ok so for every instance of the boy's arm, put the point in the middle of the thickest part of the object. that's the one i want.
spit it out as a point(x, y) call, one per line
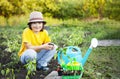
point(37, 48)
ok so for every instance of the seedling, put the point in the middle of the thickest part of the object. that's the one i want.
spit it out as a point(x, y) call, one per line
point(31, 67)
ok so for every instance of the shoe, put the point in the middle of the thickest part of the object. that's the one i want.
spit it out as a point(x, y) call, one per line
point(45, 68)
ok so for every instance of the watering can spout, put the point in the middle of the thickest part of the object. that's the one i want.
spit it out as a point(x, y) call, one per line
point(94, 43)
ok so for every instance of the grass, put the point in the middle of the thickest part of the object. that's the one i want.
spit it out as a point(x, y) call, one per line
point(103, 62)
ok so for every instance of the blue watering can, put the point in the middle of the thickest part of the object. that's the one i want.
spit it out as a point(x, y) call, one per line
point(73, 53)
point(70, 58)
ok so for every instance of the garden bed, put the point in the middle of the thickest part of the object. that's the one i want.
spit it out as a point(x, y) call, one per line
point(103, 62)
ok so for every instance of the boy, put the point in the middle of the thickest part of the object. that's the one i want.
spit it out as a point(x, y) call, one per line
point(36, 42)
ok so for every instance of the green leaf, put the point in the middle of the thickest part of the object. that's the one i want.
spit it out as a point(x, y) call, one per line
point(3, 72)
point(7, 71)
point(55, 56)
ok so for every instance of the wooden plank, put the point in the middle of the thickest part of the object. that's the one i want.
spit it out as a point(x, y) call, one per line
point(109, 43)
point(53, 75)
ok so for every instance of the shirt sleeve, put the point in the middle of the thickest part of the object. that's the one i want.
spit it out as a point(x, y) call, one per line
point(26, 37)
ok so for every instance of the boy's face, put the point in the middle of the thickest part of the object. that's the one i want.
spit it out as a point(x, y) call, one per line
point(36, 26)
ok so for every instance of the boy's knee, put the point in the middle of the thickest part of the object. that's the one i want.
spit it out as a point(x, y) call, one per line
point(31, 53)
point(28, 55)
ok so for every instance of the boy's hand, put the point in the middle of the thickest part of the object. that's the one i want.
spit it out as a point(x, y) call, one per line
point(48, 46)
point(51, 44)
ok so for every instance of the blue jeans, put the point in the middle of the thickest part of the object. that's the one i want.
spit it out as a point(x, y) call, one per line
point(42, 57)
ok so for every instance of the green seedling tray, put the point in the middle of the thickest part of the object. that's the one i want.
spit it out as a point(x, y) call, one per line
point(71, 77)
point(73, 67)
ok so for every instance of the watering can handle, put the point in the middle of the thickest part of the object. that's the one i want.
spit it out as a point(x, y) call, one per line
point(73, 47)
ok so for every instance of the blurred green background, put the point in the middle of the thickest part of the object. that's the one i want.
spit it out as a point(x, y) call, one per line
point(71, 22)
point(11, 10)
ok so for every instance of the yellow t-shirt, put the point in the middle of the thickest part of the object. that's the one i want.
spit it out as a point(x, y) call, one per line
point(34, 39)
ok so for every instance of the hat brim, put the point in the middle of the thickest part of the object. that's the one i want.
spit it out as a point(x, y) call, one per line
point(43, 21)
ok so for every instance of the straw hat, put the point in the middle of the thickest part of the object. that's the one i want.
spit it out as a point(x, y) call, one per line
point(36, 17)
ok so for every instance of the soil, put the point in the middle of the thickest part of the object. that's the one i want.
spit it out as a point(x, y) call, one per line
point(20, 72)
